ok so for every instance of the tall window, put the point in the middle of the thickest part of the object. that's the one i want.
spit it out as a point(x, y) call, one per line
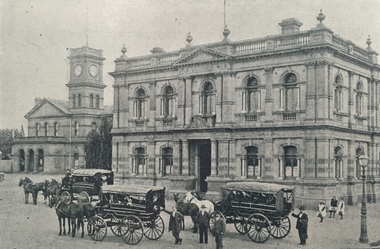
point(338, 163)
point(251, 96)
point(79, 100)
point(139, 161)
point(139, 105)
point(289, 95)
point(97, 102)
point(359, 99)
point(167, 161)
point(46, 129)
point(76, 129)
point(208, 99)
point(74, 100)
point(55, 129)
point(168, 103)
point(290, 163)
point(91, 101)
point(37, 129)
point(358, 168)
point(338, 95)
point(253, 162)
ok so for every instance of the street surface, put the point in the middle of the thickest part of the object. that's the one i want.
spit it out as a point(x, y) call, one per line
point(28, 226)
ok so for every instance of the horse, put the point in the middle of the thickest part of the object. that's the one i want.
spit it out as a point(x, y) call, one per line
point(189, 209)
point(41, 187)
point(29, 188)
point(72, 212)
point(190, 197)
point(52, 188)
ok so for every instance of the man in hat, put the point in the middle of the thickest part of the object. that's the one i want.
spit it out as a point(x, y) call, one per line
point(302, 223)
point(176, 222)
point(219, 229)
point(203, 218)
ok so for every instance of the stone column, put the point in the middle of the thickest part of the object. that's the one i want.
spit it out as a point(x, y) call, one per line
point(181, 100)
point(233, 164)
point(219, 97)
point(351, 164)
point(188, 101)
point(27, 162)
point(176, 148)
point(36, 162)
point(351, 98)
point(152, 107)
point(214, 157)
point(268, 107)
point(322, 157)
point(310, 158)
point(151, 151)
point(222, 158)
point(268, 161)
point(311, 104)
point(322, 90)
point(185, 157)
point(116, 104)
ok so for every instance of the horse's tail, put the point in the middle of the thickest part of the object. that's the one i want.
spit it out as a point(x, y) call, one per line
point(78, 224)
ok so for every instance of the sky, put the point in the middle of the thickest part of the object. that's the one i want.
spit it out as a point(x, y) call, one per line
point(36, 35)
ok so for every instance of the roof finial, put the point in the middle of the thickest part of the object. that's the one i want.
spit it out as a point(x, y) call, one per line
point(226, 32)
point(369, 42)
point(321, 17)
point(123, 50)
point(189, 38)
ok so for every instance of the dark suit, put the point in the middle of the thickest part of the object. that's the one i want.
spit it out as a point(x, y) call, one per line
point(302, 223)
point(219, 229)
point(175, 223)
point(203, 223)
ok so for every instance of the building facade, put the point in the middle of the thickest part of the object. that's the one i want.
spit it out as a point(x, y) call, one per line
point(57, 129)
point(296, 108)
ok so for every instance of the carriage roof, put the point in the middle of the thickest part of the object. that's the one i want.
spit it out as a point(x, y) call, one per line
point(90, 172)
point(260, 187)
point(130, 189)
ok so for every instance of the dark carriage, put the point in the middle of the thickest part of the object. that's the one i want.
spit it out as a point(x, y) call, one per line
point(257, 209)
point(131, 211)
point(85, 184)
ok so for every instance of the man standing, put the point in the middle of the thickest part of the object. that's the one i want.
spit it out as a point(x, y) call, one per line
point(302, 223)
point(175, 222)
point(203, 218)
point(219, 229)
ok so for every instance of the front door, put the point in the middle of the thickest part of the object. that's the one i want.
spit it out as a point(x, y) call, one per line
point(204, 155)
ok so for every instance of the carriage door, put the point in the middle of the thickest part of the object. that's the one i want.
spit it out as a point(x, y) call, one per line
point(204, 154)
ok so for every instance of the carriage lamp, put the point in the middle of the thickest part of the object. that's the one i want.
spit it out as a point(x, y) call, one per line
point(363, 160)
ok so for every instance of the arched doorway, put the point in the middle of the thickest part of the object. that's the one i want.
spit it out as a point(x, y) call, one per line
point(40, 160)
point(22, 160)
point(31, 161)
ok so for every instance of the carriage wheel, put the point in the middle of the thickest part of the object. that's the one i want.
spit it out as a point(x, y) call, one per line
point(135, 230)
point(212, 223)
point(154, 228)
point(66, 197)
point(259, 228)
point(119, 229)
point(241, 226)
point(97, 228)
point(84, 197)
point(280, 228)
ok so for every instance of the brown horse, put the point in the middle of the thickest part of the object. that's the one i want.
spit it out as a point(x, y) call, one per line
point(29, 188)
point(189, 209)
point(52, 188)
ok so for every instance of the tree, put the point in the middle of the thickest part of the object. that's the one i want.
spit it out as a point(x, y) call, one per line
point(98, 147)
point(7, 137)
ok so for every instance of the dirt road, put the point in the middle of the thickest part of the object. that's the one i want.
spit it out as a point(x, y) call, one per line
point(27, 226)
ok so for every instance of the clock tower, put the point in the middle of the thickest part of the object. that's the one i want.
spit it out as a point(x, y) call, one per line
point(86, 87)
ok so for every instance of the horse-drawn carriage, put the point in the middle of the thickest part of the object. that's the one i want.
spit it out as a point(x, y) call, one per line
point(83, 184)
point(131, 211)
point(257, 209)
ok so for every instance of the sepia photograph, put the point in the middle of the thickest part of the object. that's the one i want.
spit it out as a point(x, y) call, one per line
point(189, 124)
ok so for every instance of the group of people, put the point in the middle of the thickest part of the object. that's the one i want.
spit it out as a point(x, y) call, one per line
point(176, 224)
point(334, 208)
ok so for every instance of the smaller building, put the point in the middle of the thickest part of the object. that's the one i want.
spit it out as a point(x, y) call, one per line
point(57, 129)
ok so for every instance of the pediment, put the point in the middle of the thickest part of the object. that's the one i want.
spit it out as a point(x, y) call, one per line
point(45, 109)
point(201, 55)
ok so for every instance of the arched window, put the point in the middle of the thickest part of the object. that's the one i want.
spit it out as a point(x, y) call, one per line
point(338, 94)
point(97, 102)
point(290, 163)
point(76, 129)
point(252, 162)
point(46, 129)
point(55, 129)
point(37, 129)
point(139, 161)
point(139, 105)
point(91, 101)
point(74, 101)
point(168, 103)
point(289, 95)
point(251, 96)
point(359, 99)
point(208, 100)
point(167, 161)
point(79, 100)
point(338, 160)
point(40, 163)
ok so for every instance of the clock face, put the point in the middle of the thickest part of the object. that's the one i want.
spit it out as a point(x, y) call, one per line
point(93, 71)
point(78, 70)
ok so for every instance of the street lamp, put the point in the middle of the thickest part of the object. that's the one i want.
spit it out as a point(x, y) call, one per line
point(363, 160)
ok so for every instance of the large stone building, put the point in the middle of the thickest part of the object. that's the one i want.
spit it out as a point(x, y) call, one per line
point(57, 129)
point(295, 108)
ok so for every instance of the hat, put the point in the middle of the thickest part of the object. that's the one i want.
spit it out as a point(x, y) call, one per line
point(217, 214)
point(322, 202)
point(302, 207)
point(203, 206)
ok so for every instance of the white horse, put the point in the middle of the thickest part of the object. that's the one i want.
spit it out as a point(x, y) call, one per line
point(191, 198)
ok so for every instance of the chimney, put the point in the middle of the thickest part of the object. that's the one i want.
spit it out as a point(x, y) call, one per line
point(37, 100)
point(290, 25)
